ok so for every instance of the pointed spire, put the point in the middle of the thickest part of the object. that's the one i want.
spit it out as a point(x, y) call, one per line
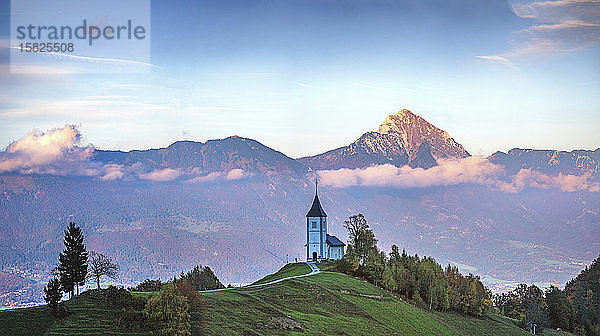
point(316, 210)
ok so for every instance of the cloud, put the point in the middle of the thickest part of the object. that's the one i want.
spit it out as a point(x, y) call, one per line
point(531, 178)
point(113, 172)
point(97, 106)
point(7, 43)
point(573, 24)
point(57, 152)
point(500, 60)
point(162, 175)
point(127, 62)
point(556, 26)
point(474, 169)
point(562, 26)
point(558, 10)
point(39, 70)
point(234, 174)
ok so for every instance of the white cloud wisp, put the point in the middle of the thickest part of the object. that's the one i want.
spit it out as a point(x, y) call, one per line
point(474, 169)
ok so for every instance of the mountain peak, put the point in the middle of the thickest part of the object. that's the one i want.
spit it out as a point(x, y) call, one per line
point(393, 121)
point(414, 130)
point(403, 138)
point(406, 113)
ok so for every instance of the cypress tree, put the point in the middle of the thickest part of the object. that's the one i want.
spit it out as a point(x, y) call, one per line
point(73, 260)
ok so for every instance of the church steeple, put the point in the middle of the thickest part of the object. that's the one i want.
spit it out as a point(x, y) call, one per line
point(319, 244)
point(316, 210)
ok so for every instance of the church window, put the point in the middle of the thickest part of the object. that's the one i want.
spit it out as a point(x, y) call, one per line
point(314, 225)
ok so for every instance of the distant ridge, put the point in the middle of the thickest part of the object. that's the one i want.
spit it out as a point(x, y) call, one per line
point(233, 152)
point(553, 162)
point(371, 148)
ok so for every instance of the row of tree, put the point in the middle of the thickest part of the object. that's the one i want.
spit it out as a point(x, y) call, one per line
point(178, 302)
point(420, 280)
point(76, 266)
point(199, 278)
point(575, 309)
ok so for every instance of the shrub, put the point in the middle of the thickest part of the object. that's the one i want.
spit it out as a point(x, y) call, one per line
point(118, 297)
point(168, 313)
point(194, 298)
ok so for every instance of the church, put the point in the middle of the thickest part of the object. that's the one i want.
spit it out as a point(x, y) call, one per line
point(320, 245)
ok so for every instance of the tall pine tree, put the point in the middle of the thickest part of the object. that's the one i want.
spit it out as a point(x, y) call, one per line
point(73, 266)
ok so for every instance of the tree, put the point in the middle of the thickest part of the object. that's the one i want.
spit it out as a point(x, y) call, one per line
point(538, 315)
point(584, 294)
point(53, 294)
point(197, 304)
point(354, 225)
point(168, 313)
point(73, 260)
point(349, 263)
point(195, 299)
point(361, 237)
point(148, 285)
point(526, 302)
point(560, 310)
point(422, 281)
point(202, 278)
point(101, 265)
point(395, 254)
point(388, 280)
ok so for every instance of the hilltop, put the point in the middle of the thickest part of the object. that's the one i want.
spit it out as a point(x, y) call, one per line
point(328, 303)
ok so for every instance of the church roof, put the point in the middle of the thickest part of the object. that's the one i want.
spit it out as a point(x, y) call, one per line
point(334, 241)
point(316, 210)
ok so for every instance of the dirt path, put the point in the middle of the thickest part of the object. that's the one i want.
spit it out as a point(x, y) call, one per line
point(314, 269)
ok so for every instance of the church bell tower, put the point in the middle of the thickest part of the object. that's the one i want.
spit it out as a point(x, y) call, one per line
point(316, 230)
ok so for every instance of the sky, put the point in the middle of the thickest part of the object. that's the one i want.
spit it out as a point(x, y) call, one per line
point(307, 76)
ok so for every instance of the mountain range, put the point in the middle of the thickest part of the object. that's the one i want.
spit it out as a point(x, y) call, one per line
point(239, 206)
point(212, 156)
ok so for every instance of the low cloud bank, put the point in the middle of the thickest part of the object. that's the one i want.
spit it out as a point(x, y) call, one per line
point(474, 169)
point(534, 179)
point(234, 174)
point(56, 152)
point(60, 152)
point(162, 175)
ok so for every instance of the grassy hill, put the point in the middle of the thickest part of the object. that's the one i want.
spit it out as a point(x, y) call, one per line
point(90, 314)
point(323, 304)
point(286, 271)
point(328, 303)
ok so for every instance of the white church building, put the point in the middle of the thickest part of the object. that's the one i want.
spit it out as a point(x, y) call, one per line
point(319, 244)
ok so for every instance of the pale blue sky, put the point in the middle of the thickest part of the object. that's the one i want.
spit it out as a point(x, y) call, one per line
point(307, 76)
